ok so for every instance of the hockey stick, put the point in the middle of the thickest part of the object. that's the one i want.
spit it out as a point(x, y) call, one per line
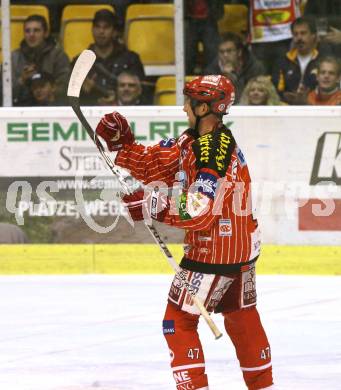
point(81, 69)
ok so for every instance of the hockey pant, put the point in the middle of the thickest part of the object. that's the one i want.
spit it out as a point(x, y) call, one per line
point(235, 297)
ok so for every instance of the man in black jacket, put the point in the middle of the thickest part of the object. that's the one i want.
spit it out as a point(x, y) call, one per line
point(38, 52)
point(295, 74)
point(112, 59)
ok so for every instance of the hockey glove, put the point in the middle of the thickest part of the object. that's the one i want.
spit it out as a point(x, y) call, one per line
point(115, 130)
point(154, 205)
point(135, 204)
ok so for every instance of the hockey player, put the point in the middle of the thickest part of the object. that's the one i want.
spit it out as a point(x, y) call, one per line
point(222, 239)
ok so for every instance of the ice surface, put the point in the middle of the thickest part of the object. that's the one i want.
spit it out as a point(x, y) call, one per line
point(103, 332)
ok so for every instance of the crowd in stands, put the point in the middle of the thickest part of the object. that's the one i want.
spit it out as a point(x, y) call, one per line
point(290, 55)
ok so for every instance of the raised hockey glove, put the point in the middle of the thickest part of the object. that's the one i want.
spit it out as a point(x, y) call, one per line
point(154, 205)
point(115, 130)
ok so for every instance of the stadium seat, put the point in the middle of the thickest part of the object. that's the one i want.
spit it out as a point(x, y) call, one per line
point(18, 15)
point(149, 31)
point(76, 24)
point(235, 19)
point(165, 90)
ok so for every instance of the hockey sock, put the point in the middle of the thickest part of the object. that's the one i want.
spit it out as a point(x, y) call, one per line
point(252, 347)
point(187, 358)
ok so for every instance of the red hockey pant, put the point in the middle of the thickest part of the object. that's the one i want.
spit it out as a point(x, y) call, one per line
point(187, 358)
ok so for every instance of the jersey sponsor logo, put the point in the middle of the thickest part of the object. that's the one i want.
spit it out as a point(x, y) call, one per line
point(183, 214)
point(273, 17)
point(167, 143)
point(224, 141)
point(197, 203)
point(225, 228)
point(327, 161)
point(249, 288)
point(264, 4)
point(241, 157)
point(205, 236)
point(214, 150)
point(168, 327)
point(206, 183)
point(217, 295)
point(195, 283)
point(153, 209)
point(205, 147)
point(183, 379)
point(182, 139)
point(176, 288)
point(182, 177)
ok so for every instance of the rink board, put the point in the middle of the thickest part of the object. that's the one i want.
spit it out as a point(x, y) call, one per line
point(147, 259)
point(293, 153)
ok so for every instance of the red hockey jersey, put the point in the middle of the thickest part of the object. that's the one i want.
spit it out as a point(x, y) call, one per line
point(213, 203)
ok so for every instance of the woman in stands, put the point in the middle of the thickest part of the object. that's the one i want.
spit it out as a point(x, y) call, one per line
point(260, 91)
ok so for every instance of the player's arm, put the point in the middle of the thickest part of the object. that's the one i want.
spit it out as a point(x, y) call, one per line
point(197, 208)
point(151, 163)
point(146, 164)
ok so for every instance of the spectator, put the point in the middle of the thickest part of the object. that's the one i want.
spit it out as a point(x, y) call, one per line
point(43, 89)
point(112, 59)
point(260, 91)
point(129, 90)
point(295, 73)
point(201, 25)
point(327, 92)
point(38, 52)
point(270, 29)
point(235, 61)
point(327, 14)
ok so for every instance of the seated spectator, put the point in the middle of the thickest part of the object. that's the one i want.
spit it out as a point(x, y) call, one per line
point(43, 89)
point(328, 90)
point(295, 73)
point(38, 52)
point(129, 90)
point(260, 91)
point(112, 59)
point(235, 61)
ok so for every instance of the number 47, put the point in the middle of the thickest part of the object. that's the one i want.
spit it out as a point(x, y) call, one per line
point(193, 353)
point(266, 353)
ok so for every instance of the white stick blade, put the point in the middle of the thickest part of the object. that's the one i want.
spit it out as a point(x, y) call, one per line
point(80, 71)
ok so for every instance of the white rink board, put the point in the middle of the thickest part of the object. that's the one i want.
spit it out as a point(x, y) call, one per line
point(287, 149)
point(99, 332)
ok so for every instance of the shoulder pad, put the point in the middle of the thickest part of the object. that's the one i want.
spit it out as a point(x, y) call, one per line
point(214, 150)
